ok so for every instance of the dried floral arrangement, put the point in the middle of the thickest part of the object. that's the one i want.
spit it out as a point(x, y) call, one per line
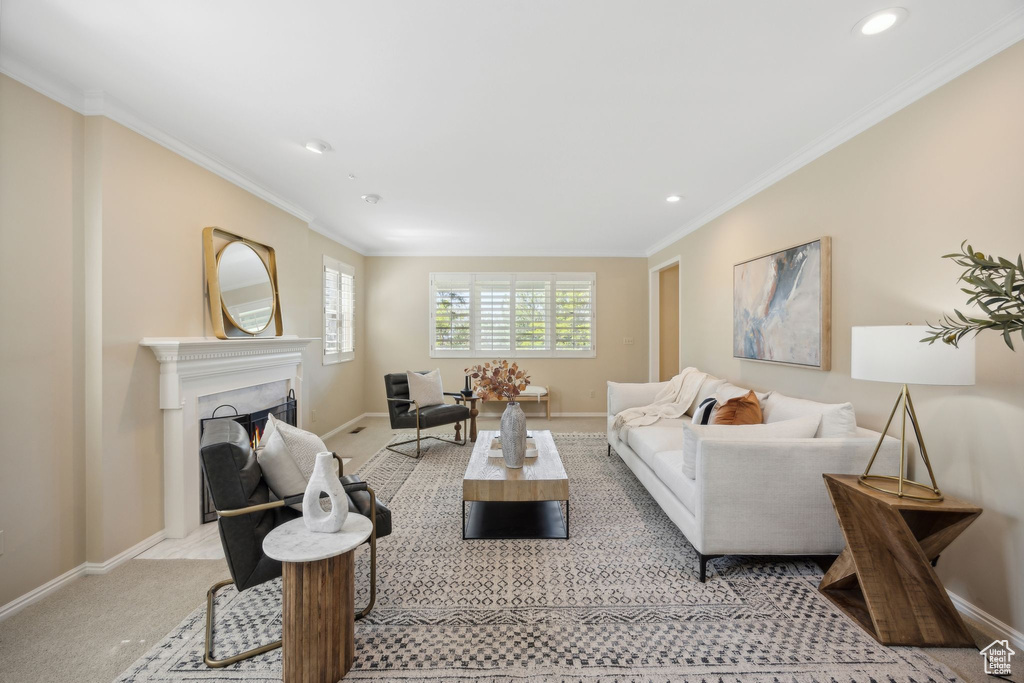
point(498, 379)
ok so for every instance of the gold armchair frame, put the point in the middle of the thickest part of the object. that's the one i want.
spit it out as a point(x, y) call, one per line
point(208, 657)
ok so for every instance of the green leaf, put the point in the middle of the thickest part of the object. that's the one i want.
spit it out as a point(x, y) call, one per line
point(1006, 338)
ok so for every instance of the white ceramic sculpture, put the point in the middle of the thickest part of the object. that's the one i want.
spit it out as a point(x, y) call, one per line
point(324, 479)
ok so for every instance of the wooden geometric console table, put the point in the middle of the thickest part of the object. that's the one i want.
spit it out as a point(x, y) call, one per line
point(884, 578)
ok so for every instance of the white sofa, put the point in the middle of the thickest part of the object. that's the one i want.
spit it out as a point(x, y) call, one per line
point(748, 497)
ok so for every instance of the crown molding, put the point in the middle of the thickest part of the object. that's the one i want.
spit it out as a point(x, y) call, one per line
point(483, 252)
point(983, 46)
point(98, 103)
point(319, 228)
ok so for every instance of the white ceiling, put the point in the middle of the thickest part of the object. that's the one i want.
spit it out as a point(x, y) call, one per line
point(498, 127)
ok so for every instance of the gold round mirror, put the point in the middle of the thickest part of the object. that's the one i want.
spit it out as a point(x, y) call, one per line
point(246, 290)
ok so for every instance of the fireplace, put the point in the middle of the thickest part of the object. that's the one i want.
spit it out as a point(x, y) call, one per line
point(255, 423)
point(197, 373)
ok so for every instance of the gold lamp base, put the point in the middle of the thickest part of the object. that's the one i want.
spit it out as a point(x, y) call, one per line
point(895, 485)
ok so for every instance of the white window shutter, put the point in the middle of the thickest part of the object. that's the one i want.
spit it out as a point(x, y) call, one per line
point(493, 306)
point(450, 314)
point(339, 304)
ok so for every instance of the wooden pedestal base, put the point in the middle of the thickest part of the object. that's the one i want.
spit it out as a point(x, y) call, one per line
point(884, 578)
point(319, 619)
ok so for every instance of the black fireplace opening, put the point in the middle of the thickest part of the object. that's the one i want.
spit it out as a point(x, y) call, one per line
point(255, 424)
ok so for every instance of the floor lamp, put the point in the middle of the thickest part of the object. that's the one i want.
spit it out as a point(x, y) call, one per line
point(895, 353)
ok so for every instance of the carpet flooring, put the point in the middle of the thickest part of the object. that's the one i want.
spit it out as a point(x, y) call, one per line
point(618, 601)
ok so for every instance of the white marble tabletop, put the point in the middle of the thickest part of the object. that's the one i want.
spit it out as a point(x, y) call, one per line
point(293, 542)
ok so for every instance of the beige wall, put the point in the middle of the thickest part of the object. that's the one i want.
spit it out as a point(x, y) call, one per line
point(399, 327)
point(102, 240)
point(335, 391)
point(42, 500)
point(894, 199)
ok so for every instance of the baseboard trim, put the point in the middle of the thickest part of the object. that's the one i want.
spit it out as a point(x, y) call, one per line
point(375, 414)
point(995, 626)
point(84, 569)
point(37, 594)
point(94, 568)
point(341, 428)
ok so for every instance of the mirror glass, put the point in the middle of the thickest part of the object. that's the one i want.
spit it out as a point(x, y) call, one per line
point(246, 292)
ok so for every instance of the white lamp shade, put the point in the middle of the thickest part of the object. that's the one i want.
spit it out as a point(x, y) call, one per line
point(895, 353)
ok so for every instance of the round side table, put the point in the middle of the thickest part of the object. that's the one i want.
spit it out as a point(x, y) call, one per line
point(318, 597)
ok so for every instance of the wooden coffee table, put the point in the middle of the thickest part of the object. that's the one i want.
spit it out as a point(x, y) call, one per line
point(515, 503)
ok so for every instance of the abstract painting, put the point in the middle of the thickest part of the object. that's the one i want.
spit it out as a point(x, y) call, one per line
point(782, 305)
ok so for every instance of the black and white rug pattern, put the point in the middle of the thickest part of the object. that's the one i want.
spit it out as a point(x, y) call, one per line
point(619, 601)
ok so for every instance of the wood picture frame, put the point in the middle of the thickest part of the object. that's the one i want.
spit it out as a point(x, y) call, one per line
point(218, 316)
point(782, 306)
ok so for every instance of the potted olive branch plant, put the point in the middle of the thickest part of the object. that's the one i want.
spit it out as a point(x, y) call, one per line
point(505, 381)
point(996, 285)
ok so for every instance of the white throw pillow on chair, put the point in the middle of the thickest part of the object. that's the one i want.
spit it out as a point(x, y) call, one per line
point(425, 389)
point(287, 457)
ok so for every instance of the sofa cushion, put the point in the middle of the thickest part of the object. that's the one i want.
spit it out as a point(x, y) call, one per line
point(727, 391)
point(668, 465)
point(798, 428)
point(838, 420)
point(707, 389)
point(742, 410)
point(646, 442)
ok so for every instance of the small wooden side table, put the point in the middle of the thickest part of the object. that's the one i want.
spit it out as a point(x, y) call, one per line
point(884, 578)
point(318, 597)
point(473, 412)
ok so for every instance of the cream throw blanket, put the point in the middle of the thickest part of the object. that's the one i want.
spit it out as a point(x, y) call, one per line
point(671, 402)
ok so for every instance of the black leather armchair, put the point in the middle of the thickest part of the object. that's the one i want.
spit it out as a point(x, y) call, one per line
point(247, 513)
point(407, 414)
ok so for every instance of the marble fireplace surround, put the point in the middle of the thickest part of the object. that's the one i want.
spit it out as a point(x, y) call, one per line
point(193, 367)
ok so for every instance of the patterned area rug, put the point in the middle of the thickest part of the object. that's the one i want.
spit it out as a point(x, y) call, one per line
point(619, 601)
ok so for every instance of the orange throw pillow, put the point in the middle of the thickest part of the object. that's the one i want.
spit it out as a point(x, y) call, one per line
point(742, 410)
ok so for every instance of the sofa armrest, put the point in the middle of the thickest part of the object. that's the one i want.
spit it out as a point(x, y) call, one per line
point(769, 497)
point(623, 395)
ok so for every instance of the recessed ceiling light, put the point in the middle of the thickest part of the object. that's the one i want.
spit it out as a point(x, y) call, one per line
point(880, 21)
point(371, 198)
point(318, 146)
point(673, 198)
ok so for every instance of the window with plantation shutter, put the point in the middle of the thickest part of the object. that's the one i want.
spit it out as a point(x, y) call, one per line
point(533, 315)
point(338, 311)
point(574, 315)
point(492, 299)
point(510, 315)
point(450, 330)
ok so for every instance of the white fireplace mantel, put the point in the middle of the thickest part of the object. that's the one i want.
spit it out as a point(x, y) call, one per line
point(191, 367)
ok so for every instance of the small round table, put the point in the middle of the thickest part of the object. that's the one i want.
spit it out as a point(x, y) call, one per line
point(318, 597)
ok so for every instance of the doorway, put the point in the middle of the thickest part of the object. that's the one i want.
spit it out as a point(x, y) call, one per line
point(668, 323)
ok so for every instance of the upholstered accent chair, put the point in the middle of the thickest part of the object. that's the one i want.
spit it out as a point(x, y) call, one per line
point(407, 414)
point(247, 512)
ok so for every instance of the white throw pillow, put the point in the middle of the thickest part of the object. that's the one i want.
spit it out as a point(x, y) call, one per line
point(425, 389)
point(287, 458)
point(838, 420)
point(702, 413)
point(707, 389)
point(800, 428)
point(279, 468)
